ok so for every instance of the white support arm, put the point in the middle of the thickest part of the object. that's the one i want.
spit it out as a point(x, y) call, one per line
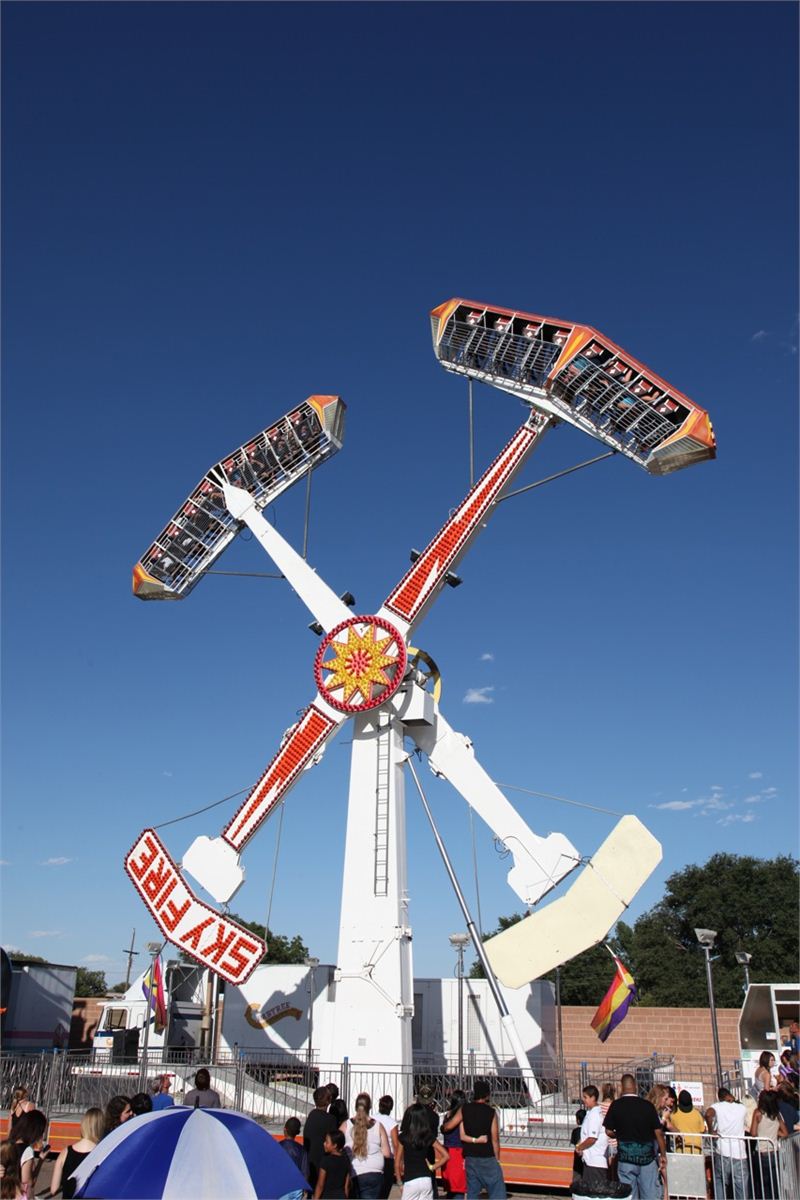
point(321, 601)
point(539, 862)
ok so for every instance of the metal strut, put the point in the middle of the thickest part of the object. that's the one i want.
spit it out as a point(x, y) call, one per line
point(506, 1019)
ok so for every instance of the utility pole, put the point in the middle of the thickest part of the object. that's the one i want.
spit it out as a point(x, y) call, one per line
point(458, 941)
point(131, 955)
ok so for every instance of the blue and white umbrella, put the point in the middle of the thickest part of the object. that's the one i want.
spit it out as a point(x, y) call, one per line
point(188, 1154)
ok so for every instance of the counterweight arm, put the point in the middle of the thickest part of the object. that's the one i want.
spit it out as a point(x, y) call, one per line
point(539, 862)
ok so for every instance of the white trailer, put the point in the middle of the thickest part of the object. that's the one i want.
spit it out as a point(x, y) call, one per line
point(288, 1011)
point(39, 1008)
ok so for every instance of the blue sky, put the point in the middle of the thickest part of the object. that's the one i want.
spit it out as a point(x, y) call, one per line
point(212, 211)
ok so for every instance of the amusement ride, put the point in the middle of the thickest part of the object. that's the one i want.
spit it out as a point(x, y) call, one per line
point(367, 672)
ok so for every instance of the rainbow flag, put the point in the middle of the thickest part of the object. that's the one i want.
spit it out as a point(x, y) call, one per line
point(153, 988)
point(616, 1002)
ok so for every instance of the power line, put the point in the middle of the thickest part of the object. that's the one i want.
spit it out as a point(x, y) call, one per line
point(561, 799)
point(247, 574)
point(197, 811)
point(510, 787)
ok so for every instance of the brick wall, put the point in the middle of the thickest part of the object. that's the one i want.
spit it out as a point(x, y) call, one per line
point(683, 1032)
point(85, 1015)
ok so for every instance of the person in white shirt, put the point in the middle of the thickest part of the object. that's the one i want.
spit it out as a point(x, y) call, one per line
point(727, 1120)
point(594, 1139)
point(390, 1124)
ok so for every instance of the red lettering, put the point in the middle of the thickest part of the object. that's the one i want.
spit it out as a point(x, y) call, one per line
point(154, 880)
point(241, 963)
point(173, 883)
point(138, 869)
point(193, 935)
point(170, 915)
point(218, 948)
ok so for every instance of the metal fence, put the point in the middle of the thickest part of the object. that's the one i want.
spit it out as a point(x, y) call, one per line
point(271, 1087)
point(704, 1165)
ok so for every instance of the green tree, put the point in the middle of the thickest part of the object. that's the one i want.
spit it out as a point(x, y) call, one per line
point(280, 949)
point(752, 903)
point(19, 956)
point(118, 988)
point(90, 983)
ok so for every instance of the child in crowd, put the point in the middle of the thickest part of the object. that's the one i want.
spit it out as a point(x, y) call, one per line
point(333, 1181)
point(299, 1156)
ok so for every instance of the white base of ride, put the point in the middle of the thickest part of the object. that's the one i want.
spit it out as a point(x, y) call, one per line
point(373, 990)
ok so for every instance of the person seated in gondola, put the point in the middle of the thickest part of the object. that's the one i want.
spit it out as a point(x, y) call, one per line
point(620, 370)
point(196, 521)
point(211, 498)
point(302, 429)
point(163, 566)
point(262, 464)
point(280, 446)
point(472, 338)
point(490, 343)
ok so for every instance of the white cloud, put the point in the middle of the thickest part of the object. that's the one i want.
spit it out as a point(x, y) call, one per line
point(756, 799)
point(715, 787)
point(770, 791)
point(487, 657)
point(745, 818)
point(716, 804)
point(37, 933)
point(759, 335)
point(95, 958)
point(4, 862)
point(167, 774)
point(55, 862)
point(481, 695)
point(756, 775)
point(677, 805)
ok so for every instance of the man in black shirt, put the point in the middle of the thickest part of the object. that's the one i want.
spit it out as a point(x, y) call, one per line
point(318, 1124)
point(635, 1124)
point(480, 1143)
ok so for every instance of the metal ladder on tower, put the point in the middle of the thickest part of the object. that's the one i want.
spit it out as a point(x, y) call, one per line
point(382, 780)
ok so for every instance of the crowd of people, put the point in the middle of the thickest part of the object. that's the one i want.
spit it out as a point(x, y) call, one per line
point(365, 1154)
point(621, 1135)
point(24, 1151)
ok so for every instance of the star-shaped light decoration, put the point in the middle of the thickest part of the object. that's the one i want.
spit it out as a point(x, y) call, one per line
point(367, 666)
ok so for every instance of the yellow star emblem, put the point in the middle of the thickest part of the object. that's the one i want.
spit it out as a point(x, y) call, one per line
point(360, 664)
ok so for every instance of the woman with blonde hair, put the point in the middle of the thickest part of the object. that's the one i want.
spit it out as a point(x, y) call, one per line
point(368, 1144)
point(70, 1159)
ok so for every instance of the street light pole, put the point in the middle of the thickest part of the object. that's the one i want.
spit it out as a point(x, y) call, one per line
point(706, 938)
point(312, 964)
point(459, 941)
point(743, 958)
point(153, 949)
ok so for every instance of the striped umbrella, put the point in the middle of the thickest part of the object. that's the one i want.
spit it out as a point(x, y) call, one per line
point(188, 1154)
